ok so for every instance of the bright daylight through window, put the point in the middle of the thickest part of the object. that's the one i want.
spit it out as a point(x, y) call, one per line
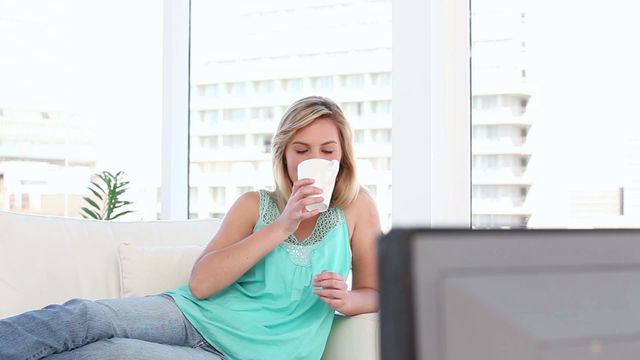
point(79, 96)
point(555, 128)
point(251, 59)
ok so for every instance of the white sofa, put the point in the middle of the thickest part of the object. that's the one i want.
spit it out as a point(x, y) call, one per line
point(46, 259)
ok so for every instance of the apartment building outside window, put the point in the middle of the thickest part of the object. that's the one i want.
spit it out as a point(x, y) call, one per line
point(343, 52)
point(553, 140)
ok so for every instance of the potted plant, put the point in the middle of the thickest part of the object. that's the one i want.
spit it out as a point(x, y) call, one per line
point(108, 193)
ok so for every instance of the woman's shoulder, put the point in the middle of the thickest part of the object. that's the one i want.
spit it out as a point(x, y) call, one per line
point(362, 218)
point(363, 205)
point(249, 198)
point(363, 200)
point(252, 200)
point(247, 203)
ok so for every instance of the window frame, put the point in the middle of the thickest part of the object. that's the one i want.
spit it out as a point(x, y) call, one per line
point(175, 110)
point(431, 113)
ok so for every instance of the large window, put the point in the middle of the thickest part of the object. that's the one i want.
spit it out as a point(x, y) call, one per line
point(80, 93)
point(251, 59)
point(556, 136)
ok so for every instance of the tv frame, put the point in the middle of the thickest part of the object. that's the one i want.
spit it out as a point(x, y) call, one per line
point(397, 265)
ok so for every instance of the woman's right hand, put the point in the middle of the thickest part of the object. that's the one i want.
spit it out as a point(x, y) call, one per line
point(294, 211)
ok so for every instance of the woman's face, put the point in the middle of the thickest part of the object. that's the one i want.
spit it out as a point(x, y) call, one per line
point(318, 140)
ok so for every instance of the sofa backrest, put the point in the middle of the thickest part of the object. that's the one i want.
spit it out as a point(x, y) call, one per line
point(49, 259)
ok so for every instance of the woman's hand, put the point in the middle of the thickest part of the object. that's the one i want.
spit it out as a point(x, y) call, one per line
point(334, 289)
point(295, 212)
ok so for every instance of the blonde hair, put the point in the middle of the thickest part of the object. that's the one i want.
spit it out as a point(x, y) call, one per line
point(299, 115)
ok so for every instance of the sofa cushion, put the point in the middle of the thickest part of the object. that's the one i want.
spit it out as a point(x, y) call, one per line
point(152, 269)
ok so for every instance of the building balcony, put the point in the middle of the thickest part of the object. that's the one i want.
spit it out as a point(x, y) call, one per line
point(507, 176)
point(499, 207)
point(284, 98)
point(296, 66)
point(49, 152)
point(503, 141)
point(500, 117)
point(228, 155)
point(503, 147)
point(230, 179)
point(500, 81)
point(240, 127)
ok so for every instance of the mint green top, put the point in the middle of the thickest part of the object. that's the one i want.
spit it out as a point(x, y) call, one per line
point(270, 311)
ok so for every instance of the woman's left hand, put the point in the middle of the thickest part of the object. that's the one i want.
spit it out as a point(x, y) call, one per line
point(334, 289)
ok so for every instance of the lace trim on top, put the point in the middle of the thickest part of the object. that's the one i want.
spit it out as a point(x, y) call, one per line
point(300, 251)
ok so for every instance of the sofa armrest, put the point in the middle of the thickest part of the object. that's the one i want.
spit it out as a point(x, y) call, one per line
point(354, 337)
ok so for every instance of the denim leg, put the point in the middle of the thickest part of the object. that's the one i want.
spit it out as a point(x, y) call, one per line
point(58, 328)
point(133, 349)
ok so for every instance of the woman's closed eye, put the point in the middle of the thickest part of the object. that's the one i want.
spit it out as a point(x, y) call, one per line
point(304, 151)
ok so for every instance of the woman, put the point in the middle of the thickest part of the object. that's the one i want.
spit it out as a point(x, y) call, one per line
point(265, 287)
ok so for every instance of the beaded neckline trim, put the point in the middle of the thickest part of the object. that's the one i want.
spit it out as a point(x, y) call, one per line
point(327, 220)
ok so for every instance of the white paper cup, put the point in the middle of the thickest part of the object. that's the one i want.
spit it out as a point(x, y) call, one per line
point(324, 173)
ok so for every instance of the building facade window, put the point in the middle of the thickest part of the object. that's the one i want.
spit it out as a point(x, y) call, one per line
point(294, 85)
point(322, 83)
point(211, 90)
point(265, 87)
point(280, 71)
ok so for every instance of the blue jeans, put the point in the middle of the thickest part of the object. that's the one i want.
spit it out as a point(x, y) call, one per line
point(149, 327)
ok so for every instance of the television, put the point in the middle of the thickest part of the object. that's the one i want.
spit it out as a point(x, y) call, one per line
point(462, 294)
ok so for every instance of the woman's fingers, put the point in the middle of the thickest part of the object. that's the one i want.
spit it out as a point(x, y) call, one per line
point(331, 284)
point(333, 289)
point(311, 200)
point(306, 191)
point(294, 211)
point(330, 294)
point(301, 183)
point(328, 275)
point(333, 303)
point(309, 214)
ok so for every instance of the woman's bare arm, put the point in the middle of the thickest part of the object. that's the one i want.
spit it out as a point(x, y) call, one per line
point(235, 248)
point(363, 298)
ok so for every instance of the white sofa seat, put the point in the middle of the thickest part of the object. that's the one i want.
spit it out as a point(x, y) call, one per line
point(46, 260)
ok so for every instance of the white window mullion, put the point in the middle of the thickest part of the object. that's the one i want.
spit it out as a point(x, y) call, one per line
point(175, 110)
point(431, 114)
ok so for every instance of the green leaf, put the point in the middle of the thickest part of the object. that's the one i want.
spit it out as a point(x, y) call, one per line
point(124, 183)
point(93, 203)
point(121, 204)
point(107, 181)
point(108, 212)
point(98, 186)
point(91, 213)
point(108, 190)
point(95, 193)
point(122, 213)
